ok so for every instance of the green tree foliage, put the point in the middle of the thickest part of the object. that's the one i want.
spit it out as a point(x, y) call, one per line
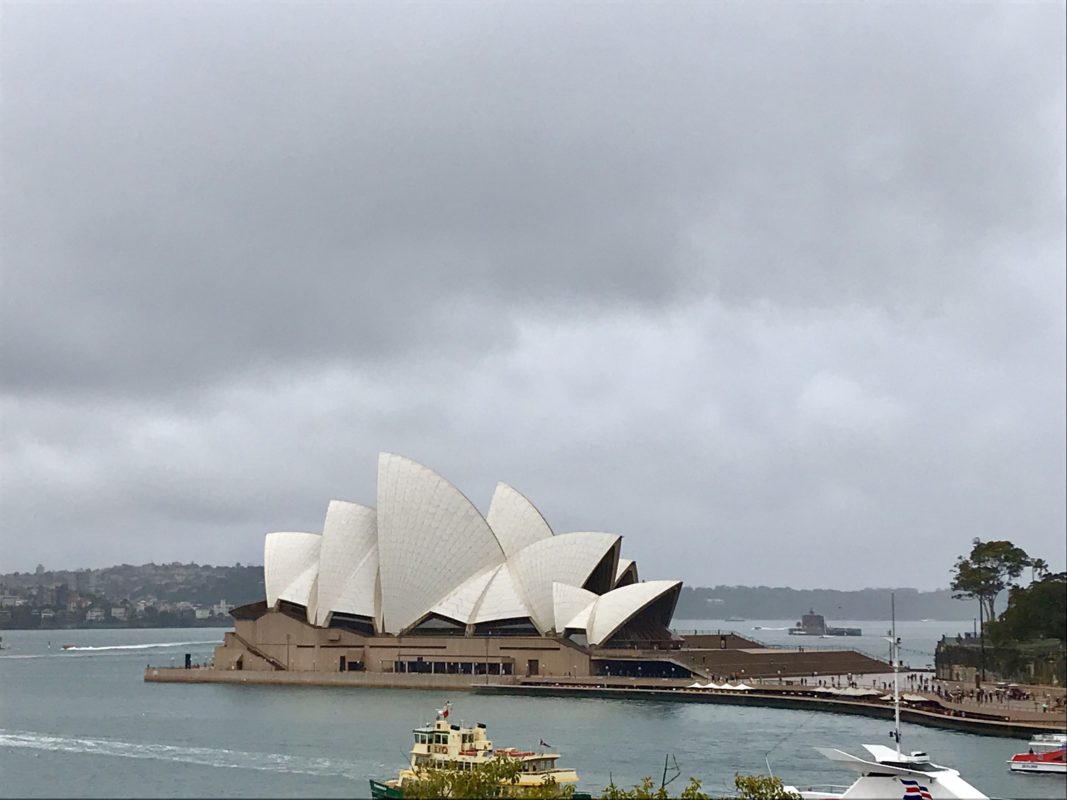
point(1038, 568)
point(496, 778)
point(762, 787)
point(1034, 612)
point(987, 571)
point(499, 778)
point(647, 790)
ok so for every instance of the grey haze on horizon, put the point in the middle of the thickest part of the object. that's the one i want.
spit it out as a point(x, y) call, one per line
point(775, 292)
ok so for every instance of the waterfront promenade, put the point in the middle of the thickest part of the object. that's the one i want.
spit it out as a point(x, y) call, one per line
point(1010, 722)
point(1042, 702)
point(1013, 719)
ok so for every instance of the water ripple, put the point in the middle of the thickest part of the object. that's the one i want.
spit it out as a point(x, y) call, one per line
point(205, 756)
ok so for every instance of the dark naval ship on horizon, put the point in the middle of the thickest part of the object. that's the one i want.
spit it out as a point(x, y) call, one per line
point(812, 624)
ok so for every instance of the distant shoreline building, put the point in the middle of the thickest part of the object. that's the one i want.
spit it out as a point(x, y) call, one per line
point(812, 624)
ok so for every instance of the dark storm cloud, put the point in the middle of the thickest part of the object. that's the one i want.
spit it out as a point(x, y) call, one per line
point(704, 275)
point(320, 184)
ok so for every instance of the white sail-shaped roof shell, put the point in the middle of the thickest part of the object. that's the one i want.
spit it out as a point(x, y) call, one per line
point(502, 599)
point(348, 562)
point(515, 520)
point(430, 539)
point(571, 606)
point(626, 573)
point(426, 550)
point(291, 567)
point(569, 558)
point(614, 609)
point(580, 621)
point(489, 596)
point(461, 602)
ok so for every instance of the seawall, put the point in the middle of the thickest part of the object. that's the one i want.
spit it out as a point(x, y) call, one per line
point(365, 680)
point(1013, 729)
point(631, 690)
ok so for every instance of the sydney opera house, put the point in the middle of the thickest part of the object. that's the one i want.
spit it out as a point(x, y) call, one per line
point(425, 583)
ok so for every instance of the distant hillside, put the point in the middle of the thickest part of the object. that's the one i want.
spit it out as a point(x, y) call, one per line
point(766, 602)
point(204, 585)
point(174, 582)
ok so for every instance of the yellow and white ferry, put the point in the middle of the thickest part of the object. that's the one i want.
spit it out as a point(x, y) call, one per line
point(442, 745)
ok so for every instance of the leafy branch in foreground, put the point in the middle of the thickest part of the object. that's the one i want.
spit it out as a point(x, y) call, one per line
point(496, 778)
point(762, 787)
point(500, 778)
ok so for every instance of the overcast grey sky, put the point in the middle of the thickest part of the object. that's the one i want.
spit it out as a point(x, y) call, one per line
point(774, 291)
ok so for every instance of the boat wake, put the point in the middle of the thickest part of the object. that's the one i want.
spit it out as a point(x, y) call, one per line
point(205, 756)
point(76, 648)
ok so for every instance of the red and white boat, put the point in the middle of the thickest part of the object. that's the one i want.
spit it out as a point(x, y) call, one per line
point(1048, 753)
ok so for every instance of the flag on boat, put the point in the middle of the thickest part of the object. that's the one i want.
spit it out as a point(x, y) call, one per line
point(914, 791)
point(443, 711)
point(543, 743)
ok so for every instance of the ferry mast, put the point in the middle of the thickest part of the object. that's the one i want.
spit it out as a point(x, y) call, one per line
point(895, 658)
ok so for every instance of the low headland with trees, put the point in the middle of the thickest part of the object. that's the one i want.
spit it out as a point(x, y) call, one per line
point(1024, 644)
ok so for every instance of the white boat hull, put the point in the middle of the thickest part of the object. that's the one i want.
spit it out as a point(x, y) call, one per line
point(1038, 766)
point(871, 787)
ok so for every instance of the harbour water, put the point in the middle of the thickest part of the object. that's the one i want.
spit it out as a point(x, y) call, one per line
point(918, 638)
point(82, 723)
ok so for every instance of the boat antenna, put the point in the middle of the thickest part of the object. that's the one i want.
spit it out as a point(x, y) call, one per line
point(808, 717)
point(895, 657)
point(677, 771)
